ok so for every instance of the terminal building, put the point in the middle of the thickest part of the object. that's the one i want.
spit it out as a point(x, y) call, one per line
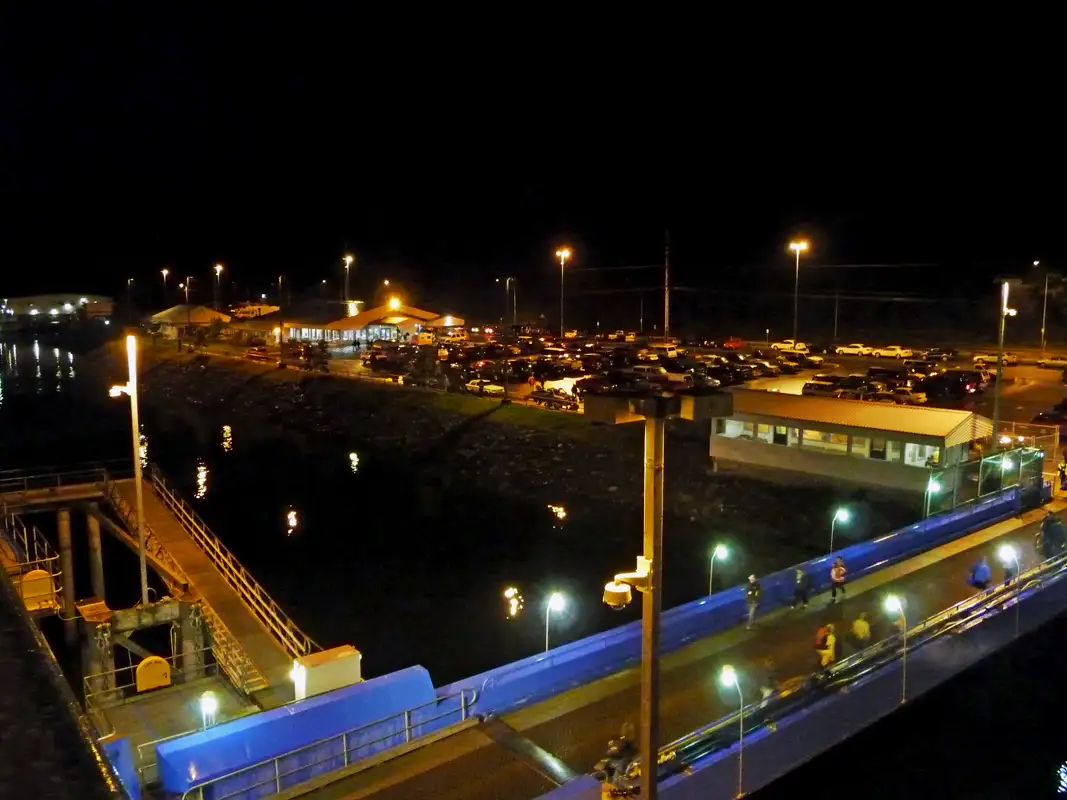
point(878, 444)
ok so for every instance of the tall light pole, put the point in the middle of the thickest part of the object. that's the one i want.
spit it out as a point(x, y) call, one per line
point(348, 264)
point(667, 285)
point(562, 254)
point(841, 515)
point(798, 248)
point(218, 285)
point(131, 389)
point(1004, 313)
point(729, 678)
point(893, 605)
point(1044, 310)
point(720, 552)
point(556, 603)
point(188, 280)
point(129, 292)
point(164, 272)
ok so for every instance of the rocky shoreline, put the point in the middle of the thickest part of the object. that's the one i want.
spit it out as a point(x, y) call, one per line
point(514, 454)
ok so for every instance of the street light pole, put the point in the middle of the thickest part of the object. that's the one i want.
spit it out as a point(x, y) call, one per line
point(562, 254)
point(894, 605)
point(218, 285)
point(1044, 310)
point(1004, 313)
point(667, 287)
point(798, 248)
point(651, 600)
point(135, 426)
point(718, 552)
point(348, 263)
point(165, 272)
point(555, 603)
point(729, 677)
point(841, 514)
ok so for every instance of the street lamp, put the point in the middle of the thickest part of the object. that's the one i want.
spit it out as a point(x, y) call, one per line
point(131, 389)
point(510, 299)
point(385, 282)
point(798, 248)
point(893, 605)
point(729, 678)
point(556, 603)
point(209, 706)
point(1005, 312)
point(348, 263)
point(394, 303)
point(562, 254)
point(720, 552)
point(1044, 310)
point(218, 284)
point(164, 272)
point(841, 515)
point(1007, 554)
point(188, 280)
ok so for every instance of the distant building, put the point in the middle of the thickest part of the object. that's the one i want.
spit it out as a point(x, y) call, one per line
point(93, 306)
point(185, 319)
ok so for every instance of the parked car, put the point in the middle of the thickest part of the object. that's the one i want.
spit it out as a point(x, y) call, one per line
point(733, 343)
point(484, 387)
point(892, 351)
point(765, 368)
point(1010, 359)
point(855, 349)
point(821, 389)
point(909, 395)
point(789, 366)
point(1052, 362)
point(879, 397)
point(940, 354)
point(790, 345)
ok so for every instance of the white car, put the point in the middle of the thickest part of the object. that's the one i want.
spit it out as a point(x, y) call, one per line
point(1053, 362)
point(853, 350)
point(485, 387)
point(892, 351)
point(909, 396)
point(1010, 359)
point(790, 344)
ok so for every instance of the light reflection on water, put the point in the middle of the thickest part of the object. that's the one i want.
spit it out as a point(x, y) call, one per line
point(291, 521)
point(144, 449)
point(353, 462)
point(201, 480)
point(227, 439)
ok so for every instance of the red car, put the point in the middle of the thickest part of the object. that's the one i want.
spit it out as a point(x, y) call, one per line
point(733, 343)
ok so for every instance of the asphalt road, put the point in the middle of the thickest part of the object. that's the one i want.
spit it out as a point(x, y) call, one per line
point(576, 726)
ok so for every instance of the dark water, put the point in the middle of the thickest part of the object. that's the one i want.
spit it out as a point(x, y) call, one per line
point(410, 573)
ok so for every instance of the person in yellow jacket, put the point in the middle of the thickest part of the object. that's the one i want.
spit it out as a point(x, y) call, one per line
point(826, 645)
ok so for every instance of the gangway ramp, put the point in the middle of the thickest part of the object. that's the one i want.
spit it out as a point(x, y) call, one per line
point(254, 641)
point(575, 726)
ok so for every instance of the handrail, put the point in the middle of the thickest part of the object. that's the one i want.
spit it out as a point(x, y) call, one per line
point(294, 641)
point(229, 654)
point(276, 780)
point(17, 480)
point(129, 673)
point(32, 551)
point(859, 664)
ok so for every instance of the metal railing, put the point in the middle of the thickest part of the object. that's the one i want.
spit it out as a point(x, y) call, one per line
point(229, 654)
point(267, 611)
point(281, 775)
point(19, 481)
point(722, 733)
point(32, 551)
point(105, 689)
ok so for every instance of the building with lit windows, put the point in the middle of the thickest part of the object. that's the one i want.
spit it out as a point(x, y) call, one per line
point(59, 306)
point(878, 444)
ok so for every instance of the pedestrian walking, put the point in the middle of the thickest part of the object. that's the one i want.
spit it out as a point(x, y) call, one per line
point(801, 589)
point(981, 575)
point(1062, 469)
point(767, 679)
point(752, 598)
point(826, 645)
point(838, 576)
point(861, 632)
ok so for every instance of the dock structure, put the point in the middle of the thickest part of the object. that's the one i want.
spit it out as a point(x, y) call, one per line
point(253, 641)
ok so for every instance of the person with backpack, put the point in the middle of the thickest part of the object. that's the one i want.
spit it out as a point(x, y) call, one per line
point(801, 589)
point(981, 575)
point(825, 645)
point(752, 598)
point(838, 574)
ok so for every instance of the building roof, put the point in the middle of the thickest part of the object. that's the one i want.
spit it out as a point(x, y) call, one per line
point(386, 315)
point(189, 315)
point(955, 427)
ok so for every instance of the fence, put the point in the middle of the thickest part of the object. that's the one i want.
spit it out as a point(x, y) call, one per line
point(105, 689)
point(971, 481)
point(295, 641)
point(39, 578)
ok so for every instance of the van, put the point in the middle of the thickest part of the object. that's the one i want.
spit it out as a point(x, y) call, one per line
point(821, 389)
point(424, 337)
point(665, 350)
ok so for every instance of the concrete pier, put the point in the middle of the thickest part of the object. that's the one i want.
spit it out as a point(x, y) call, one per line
point(96, 556)
point(66, 564)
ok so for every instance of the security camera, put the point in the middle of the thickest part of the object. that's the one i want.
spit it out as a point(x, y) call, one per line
point(617, 596)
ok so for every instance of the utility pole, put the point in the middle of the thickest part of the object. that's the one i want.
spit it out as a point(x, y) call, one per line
point(641, 319)
point(1044, 310)
point(667, 286)
point(1004, 313)
point(837, 299)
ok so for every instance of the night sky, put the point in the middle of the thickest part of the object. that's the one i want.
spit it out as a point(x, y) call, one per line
point(275, 143)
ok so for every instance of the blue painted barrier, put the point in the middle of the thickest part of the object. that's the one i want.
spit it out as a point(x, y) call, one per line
point(541, 676)
point(120, 755)
point(307, 733)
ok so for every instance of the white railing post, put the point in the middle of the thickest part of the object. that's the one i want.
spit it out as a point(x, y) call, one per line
point(277, 776)
point(407, 725)
point(344, 746)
